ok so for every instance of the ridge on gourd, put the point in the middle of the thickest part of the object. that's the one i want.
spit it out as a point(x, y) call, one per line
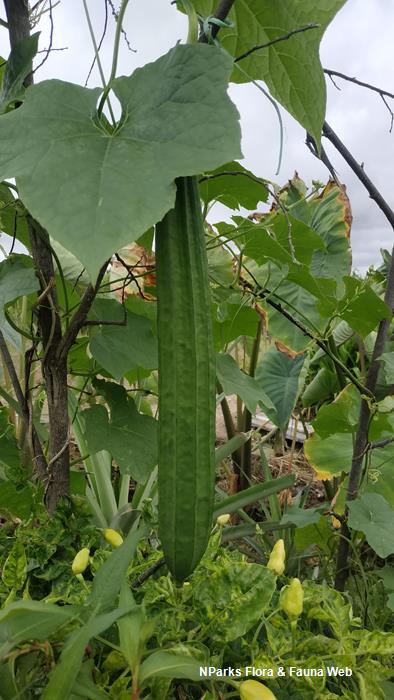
point(186, 383)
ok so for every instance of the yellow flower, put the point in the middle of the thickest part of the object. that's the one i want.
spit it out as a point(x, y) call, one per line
point(253, 690)
point(112, 537)
point(322, 475)
point(292, 599)
point(223, 519)
point(81, 561)
point(276, 562)
point(335, 522)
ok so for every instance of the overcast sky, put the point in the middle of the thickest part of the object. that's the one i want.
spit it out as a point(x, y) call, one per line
point(358, 42)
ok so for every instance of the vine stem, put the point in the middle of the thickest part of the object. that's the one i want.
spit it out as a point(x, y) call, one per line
point(97, 54)
point(115, 55)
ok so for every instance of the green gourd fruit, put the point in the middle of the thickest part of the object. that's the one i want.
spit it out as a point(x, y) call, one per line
point(186, 383)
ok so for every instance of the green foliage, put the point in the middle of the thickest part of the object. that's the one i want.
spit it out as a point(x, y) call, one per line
point(127, 629)
point(235, 381)
point(279, 375)
point(17, 68)
point(119, 349)
point(234, 186)
point(291, 69)
point(372, 515)
point(113, 174)
point(17, 278)
point(130, 436)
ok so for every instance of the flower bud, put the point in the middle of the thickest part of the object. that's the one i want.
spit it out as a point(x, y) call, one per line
point(276, 562)
point(253, 690)
point(112, 537)
point(292, 599)
point(223, 519)
point(81, 561)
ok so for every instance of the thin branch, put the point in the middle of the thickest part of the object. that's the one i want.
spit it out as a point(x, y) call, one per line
point(358, 82)
point(250, 176)
point(377, 444)
point(383, 93)
point(310, 142)
point(3, 23)
point(79, 317)
point(148, 573)
point(49, 49)
point(124, 33)
point(360, 172)
point(35, 445)
point(264, 295)
point(390, 111)
point(100, 42)
point(6, 355)
point(59, 454)
point(283, 37)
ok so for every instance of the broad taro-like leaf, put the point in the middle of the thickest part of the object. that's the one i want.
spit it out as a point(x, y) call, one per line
point(374, 516)
point(235, 381)
point(131, 437)
point(278, 374)
point(232, 320)
point(291, 69)
point(97, 189)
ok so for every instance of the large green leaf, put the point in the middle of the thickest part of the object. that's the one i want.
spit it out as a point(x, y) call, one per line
point(17, 278)
point(121, 348)
point(363, 308)
point(320, 388)
point(372, 515)
point(112, 186)
point(15, 501)
point(291, 68)
point(291, 234)
point(232, 320)
point(30, 619)
point(168, 665)
point(329, 456)
point(329, 215)
point(128, 435)
point(235, 381)
point(233, 186)
point(340, 416)
point(233, 598)
point(301, 305)
point(278, 374)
